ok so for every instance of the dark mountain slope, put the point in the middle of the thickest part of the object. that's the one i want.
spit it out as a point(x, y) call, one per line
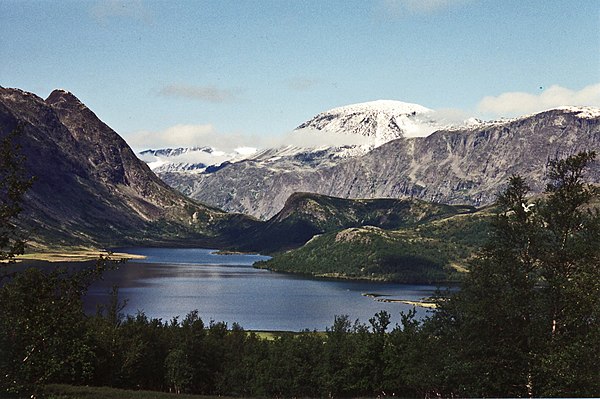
point(306, 215)
point(90, 187)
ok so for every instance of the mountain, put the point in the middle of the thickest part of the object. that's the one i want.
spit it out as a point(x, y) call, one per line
point(378, 121)
point(191, 159)
point(461, 165)
point(90, 187)
point(433, 251)
point(306, 215)
point(328, 137)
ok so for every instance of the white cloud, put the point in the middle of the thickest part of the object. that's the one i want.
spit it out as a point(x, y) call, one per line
point(313, 138)
point(175, 136)
point(206, 135)
point(449, 116)
point(210, 94)
point(518, 103)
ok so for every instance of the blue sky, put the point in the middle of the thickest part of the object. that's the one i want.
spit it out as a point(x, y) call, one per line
point(203, 72)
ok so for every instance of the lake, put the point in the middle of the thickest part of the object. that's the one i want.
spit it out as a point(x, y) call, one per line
point(171, 282)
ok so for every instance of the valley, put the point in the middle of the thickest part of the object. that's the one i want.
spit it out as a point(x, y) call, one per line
point(299, 199)
point(371, 211)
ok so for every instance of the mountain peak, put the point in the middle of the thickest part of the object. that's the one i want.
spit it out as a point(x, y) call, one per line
point(379, 121)
point(383, 106)
point(61, 97)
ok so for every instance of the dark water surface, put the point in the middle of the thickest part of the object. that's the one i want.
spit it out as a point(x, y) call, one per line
point(173, 281)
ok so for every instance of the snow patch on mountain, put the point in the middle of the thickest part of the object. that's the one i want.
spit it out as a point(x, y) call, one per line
point(582, 112)
point(191, 159)
point(380, 121)
point(330, 136)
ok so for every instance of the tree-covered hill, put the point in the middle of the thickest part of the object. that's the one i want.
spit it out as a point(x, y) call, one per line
point(433, 251)
point(306, 215)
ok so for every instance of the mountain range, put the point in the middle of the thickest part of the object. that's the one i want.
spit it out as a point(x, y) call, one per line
point(352, 211)
point(462, 164)
point(328, 137)
point(91, 189)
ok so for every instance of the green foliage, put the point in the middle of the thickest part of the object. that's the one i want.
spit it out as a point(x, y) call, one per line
point(350, 359)
point(422, 254)
point(527, 316)
point(13, 185)
point(43, 334)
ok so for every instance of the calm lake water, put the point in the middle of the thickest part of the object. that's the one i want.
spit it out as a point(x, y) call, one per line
point(173, 281)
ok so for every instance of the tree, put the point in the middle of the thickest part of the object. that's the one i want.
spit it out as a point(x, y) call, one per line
point(570, 281)
point(178, 370)
point(13, 185)
point(528, 313)
point(43, 329)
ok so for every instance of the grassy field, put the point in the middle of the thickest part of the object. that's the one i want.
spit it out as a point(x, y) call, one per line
point(60, 391)
point(74, 255)
point(273, 335)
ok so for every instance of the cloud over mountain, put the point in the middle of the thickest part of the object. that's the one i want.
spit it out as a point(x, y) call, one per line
point(517, 103)
point(178, 135)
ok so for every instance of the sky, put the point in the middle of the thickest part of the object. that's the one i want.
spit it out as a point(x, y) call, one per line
point(180, 73)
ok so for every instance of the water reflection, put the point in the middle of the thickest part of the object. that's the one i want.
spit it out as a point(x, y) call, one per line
point(171, 282)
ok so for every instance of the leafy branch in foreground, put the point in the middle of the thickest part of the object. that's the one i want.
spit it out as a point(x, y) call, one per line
point(43, 328)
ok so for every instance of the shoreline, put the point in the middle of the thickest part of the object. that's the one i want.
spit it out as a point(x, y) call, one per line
point(383, 279)
point(75, 255)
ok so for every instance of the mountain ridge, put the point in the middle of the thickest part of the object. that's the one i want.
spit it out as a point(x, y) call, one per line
point(307, 215)
point(91, 189)
point(341, 132)
point(467, 165)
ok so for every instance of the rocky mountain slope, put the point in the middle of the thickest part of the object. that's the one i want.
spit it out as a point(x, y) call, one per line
point(467, 165)
point(90, 187)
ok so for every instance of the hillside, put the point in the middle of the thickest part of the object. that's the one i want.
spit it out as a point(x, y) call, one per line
point(435, 251)
point(306, 215)
point(90, 188)
point(464, 165)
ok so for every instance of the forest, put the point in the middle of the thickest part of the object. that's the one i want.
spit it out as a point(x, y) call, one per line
point(526, 321)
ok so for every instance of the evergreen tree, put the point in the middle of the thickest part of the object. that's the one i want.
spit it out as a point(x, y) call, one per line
point(14, 182)
point(526, 319)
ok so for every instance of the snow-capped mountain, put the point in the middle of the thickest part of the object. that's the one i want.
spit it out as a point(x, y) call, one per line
point(379, 121)
point(328, 137)
point(191, 159)
point(457, 165)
